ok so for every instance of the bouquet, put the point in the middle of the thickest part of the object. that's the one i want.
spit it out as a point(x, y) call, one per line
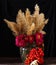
point(29, 35)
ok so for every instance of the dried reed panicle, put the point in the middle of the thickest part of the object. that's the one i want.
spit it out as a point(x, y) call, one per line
point(28, 16)
point(40, 20)
point(27, 23)
point(22, 22)
point(13, 26)
point(36, 12)
point(19, 20)
point(31, 29)
point(29, 19)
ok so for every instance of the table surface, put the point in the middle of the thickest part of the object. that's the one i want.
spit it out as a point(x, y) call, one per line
point(15, 61)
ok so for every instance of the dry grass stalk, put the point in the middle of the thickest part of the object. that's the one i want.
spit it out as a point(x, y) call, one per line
point(27, 23)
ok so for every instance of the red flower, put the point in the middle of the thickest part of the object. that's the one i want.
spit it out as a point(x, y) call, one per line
point(16, 40)
point(31, 39)
point(39, 39)
point(26, 39)
point(20, 42)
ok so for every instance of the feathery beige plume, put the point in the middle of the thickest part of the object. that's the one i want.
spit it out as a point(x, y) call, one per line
point(13, 26)
point(36, 12)
point(28, 16)
point(31, 29)
point(27, 23)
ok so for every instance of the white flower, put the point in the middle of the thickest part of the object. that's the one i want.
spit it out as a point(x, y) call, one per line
point(34, 62)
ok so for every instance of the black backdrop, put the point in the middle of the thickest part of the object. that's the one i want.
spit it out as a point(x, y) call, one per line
point(9, 9)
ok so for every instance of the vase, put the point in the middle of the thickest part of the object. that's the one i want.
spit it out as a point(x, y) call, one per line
point(23, 53)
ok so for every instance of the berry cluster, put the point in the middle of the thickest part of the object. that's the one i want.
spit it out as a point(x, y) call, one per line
point(35, 54)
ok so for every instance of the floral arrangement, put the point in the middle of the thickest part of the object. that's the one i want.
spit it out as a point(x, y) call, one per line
point(28, 32)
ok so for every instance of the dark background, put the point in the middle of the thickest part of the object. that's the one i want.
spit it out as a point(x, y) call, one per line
point(9, 9)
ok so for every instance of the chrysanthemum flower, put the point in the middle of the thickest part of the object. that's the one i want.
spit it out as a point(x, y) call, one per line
point(31, 39)
point(20, 42)
point(39, 39)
